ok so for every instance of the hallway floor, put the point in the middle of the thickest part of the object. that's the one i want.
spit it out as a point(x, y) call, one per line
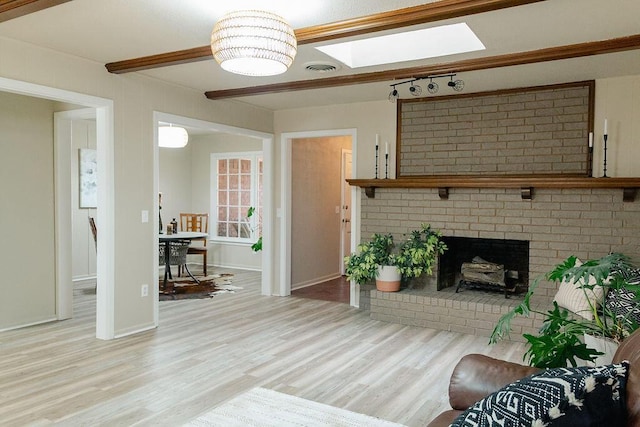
point(336, 290)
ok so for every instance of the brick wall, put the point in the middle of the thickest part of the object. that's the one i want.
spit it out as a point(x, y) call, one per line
point(531, 131)
point(588, 223)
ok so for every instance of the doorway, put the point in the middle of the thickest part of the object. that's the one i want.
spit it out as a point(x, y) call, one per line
point(266, 141)
point(316, 230)
point(103, 110)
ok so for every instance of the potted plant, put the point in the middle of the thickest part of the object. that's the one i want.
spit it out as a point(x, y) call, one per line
point(418, 253)
point(560, 340)
point(380, 259)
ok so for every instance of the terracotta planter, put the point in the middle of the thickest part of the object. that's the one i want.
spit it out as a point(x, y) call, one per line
point(388, 278)
point(603, 345)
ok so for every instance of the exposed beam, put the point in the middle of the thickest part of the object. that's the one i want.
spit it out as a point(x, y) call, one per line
point(430, 12)
point(530, 57)
point(10, 9)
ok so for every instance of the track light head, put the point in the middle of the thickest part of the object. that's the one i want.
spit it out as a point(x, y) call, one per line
point(394, 95)
point(432, 87)
point(458, 85)
point(415, 90)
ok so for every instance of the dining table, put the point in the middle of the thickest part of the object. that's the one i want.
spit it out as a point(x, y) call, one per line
point(174, 237)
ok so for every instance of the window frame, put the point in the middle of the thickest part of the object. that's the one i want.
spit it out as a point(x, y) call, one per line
point(256, 157)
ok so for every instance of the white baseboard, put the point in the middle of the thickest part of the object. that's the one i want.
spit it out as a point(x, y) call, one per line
point(39, 322)
point(315, 281)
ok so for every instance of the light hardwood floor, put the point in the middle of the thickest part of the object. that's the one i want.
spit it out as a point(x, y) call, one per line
point(207, 351)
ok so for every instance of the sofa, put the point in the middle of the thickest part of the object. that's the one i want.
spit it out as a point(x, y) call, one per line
point(477, 376)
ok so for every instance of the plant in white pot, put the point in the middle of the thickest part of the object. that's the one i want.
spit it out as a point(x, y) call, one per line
point(372, 259)
point(378, 259)
point(605, 303)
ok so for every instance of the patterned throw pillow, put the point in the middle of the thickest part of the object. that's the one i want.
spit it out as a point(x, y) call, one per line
point(584, 396)
point(623, 302)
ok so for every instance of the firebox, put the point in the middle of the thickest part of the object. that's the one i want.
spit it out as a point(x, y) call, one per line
point(509, 258)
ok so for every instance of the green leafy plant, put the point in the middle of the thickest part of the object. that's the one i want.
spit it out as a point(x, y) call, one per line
point(419, 252)
point(559, 341)
point(257, 246)
point(414, 257)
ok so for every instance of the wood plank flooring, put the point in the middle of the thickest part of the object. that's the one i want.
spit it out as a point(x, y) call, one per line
point(207, 351)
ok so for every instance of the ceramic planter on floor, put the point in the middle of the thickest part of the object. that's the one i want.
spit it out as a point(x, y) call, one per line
point(603, 345)
point(388, 278)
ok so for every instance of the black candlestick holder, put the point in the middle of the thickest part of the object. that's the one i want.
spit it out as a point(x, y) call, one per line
point(376, 161)
point(605, 157)
point(386, 166)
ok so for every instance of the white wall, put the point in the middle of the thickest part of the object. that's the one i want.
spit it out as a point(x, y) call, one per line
point(135, 98)
point(27, 251)
point(618, 100)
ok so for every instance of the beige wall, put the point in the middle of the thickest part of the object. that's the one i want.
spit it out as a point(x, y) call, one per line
point(315, 212)
point(618, 100)
point(27, 252)
point(220, 254)
point(135, 98)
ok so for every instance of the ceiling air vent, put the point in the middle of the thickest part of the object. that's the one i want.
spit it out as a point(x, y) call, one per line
point(321, 67)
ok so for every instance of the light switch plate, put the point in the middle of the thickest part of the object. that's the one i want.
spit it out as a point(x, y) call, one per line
point(145, 216)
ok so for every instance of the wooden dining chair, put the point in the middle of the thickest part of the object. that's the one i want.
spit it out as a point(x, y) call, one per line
point(94, 230)
point(196, 222)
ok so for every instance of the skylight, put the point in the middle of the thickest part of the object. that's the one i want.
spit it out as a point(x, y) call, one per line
point(408, 46)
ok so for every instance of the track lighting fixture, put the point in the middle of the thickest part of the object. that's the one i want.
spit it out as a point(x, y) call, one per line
point(457, 85)
point(415, 90)
point(393, 95)
point(432, 87)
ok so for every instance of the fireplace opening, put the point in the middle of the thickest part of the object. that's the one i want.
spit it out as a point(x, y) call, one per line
point(484, 261)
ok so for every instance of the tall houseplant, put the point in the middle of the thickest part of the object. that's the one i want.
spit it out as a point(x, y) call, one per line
point(559, 341)
point(414, 257)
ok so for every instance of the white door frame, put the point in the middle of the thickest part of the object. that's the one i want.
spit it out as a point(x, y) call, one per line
point(267, 197)
point(343, 196)
point(285, 191)
point(105, 327)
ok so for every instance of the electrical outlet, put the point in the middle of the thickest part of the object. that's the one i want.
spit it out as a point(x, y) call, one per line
point(144, 290)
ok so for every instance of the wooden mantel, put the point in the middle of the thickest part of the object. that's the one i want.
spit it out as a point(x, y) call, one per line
point(526, 183)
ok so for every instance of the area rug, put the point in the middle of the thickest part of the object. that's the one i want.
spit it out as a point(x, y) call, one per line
point(186, 288)
point(261, 407)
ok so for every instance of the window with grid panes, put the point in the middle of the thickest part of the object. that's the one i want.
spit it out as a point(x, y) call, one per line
point(237, 184)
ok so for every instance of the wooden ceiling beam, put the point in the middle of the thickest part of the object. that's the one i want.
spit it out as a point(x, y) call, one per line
point(521, 58)
point(430, 12)
point(10, 9)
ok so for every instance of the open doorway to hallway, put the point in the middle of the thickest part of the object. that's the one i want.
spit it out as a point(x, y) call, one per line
point(320, 216)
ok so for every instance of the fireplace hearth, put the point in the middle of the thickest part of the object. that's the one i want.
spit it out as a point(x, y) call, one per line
point(488, 264)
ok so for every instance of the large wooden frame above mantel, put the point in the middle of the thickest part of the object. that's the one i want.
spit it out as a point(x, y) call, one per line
point(531, 130)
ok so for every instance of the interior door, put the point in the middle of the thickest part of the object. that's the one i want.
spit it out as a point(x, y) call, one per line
point(345, 211)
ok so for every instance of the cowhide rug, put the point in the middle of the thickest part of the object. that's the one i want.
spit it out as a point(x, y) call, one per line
point(186, 288)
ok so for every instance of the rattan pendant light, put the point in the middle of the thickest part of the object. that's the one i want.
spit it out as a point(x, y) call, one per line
point(253, 43)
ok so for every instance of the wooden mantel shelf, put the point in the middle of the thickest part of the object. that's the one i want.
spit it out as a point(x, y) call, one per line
point(524, 182)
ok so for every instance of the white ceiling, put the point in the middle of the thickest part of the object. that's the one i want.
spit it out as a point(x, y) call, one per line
point(113, 30)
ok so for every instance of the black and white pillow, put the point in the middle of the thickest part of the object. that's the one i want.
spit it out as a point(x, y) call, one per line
point(584, 396)
point(623, 302)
